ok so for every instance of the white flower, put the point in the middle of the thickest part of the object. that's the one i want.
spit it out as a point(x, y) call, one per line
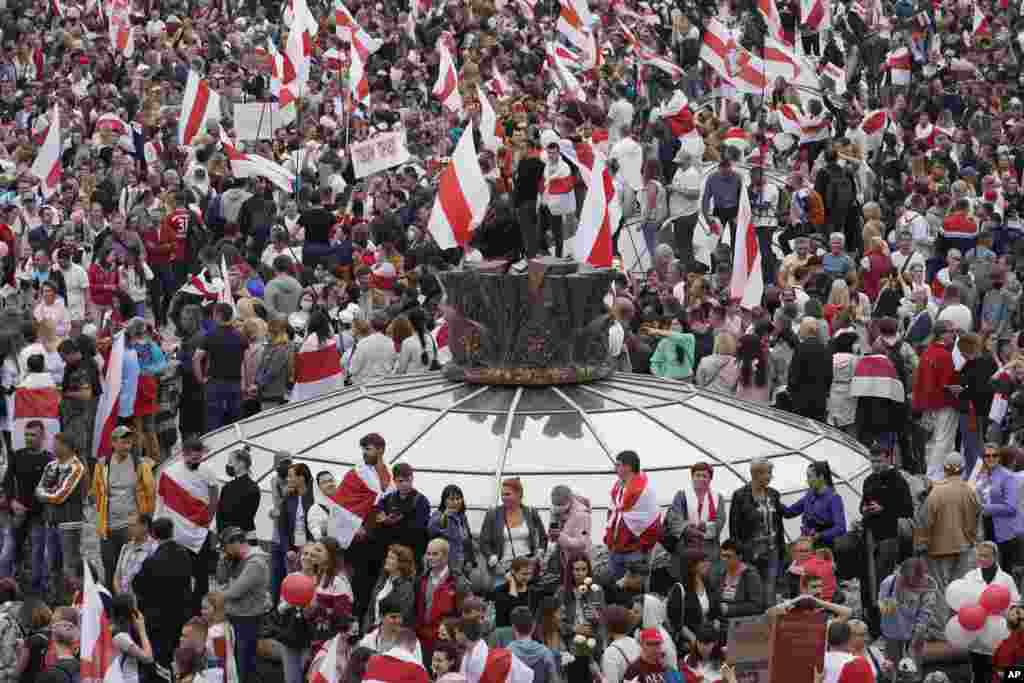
point(579, 639)
point(591, 643)
point(587, 581)
point(595, 588)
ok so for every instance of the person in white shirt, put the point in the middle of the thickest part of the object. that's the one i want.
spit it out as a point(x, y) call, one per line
point(76, 283)
point(953, 311)
point(468, 635)
point(904, 258)
point(684, 201)
point(622, 649)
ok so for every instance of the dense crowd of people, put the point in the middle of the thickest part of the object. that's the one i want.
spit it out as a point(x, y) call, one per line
point(813, 206)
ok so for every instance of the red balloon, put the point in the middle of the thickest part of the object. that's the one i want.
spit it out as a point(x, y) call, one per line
point(995, 598)
point(972, 617)
point(298, 590)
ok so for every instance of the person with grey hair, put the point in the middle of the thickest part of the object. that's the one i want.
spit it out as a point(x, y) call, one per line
point(684, 202)
point(948, 537)
point(755, 522)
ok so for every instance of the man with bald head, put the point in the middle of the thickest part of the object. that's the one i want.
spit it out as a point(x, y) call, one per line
point(435, 597)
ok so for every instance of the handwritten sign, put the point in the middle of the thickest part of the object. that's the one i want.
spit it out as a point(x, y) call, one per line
point(379, 153)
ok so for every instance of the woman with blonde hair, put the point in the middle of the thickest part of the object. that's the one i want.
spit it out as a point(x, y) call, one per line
point(838, 300)
point(720, 371)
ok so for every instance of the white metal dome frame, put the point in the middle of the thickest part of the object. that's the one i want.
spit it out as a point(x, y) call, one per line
point(476, 435)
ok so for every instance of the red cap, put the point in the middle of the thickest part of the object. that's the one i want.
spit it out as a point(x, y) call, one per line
point(651, 635)
point(83, 60)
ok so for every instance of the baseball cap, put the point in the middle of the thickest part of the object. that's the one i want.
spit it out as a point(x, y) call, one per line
point(954, 461)
point(651, 635)
point(121, 432)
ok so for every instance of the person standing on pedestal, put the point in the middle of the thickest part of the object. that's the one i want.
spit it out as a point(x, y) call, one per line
point(527, 181)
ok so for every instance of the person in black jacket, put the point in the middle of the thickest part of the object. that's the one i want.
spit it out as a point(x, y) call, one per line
point(528, 176)
point(24, 471)
point(687, 614)
point(810, 374)
point(240, 497)
point(755, 524)
point(885, 499)
point(288, 535)
point(163, 588)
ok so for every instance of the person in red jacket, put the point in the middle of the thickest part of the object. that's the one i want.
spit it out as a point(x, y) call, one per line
point(161, 241)
point(634, 525)
point(936, 389)
point(1010, 652)
point(435, 596)
point(103, 285)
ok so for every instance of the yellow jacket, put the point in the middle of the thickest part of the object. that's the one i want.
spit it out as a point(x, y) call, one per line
point(145, 492)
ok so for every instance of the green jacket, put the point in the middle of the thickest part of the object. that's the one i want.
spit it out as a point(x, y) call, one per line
point(673, 358)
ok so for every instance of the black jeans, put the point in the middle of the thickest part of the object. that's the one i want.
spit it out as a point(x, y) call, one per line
point(728, 217)
point(202, 563)
point(526, 214)
point(981, 668)
point(247, 631)
point(554, 224)
point(682, 231)
point(110, 550)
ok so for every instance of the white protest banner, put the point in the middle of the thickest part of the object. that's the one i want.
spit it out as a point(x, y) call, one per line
point(258, 120)
point(379, 153)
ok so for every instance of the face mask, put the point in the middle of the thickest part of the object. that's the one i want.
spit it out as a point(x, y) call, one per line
point(230, 469)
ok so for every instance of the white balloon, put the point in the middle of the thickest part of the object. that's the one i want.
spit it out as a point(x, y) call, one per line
point(957, 635)
point(958, 594)
point(994, 632)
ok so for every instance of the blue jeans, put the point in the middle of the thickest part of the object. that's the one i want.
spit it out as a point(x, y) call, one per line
point(45, 546)
point(293, 660)
point(278, 569)
point(247, 631)
point(650, 231)
point(769, 572)
point(223, 403)
point(617, 563)
point(8, 551)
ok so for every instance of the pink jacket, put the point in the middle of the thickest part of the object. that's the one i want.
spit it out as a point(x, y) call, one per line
point(575, 535)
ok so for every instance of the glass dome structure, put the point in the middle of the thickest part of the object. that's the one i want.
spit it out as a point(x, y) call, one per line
point(476, 435)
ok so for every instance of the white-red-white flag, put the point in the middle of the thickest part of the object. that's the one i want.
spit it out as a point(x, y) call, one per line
point(47, 166)
point(815, 15)
point(184, 497)
point(463, 196)
point(36, 404)
point(564, 79)
point(446, 88)
point(359, 57)
point(298, 15)
point(354, 501)
point(106, 410)
point(750, 75)
point(396, 666)
point(245, 165)
point(97, 642)
point(875, 122)
point(717, 47)
point(299, 48)
point(504, 667)
point(593, 240)
point(490, 134)
point(226, 296)
point(318, 371)
point(747, 278)
point(199, 104)
point(833, 76)
point(780, 61)
point(327, 669)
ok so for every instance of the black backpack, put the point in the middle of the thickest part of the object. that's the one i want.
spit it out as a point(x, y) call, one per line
point(841, 192)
